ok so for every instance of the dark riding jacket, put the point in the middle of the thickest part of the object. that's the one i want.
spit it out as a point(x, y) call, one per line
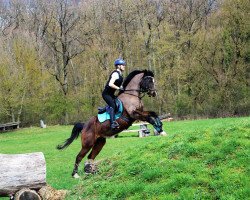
point(118, 82)
point(108, 93)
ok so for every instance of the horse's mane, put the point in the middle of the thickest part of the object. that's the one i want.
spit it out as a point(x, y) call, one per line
point(134, 73)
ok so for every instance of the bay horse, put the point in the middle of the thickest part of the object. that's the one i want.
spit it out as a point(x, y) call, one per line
point(93, 133)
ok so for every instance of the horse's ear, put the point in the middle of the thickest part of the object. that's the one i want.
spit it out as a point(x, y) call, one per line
point(148, 73)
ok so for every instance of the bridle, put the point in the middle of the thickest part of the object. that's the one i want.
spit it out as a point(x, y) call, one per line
point(142, 91)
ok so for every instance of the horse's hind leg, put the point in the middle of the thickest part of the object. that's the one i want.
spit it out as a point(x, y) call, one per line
point(79, 157)
point(100, 142)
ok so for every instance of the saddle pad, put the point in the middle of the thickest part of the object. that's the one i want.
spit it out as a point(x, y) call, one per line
point(105, 116)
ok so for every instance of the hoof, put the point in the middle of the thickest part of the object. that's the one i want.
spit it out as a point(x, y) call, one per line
point(163, 133)
point(88, 173)
point(76, 175)
point(90, 168)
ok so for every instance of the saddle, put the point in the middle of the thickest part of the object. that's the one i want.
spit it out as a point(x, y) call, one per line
point(118, 104)
point(103, 112)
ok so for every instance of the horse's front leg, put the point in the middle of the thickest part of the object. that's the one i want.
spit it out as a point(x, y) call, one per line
point(79, 157)
point(150, 117)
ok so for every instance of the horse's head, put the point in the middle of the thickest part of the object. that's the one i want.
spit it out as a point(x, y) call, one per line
point(141, 81)
point(147, 85)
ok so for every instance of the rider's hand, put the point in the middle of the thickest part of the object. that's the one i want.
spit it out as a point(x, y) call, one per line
point(121, 89)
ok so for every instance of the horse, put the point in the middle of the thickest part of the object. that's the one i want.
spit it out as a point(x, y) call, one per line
point(94, 133)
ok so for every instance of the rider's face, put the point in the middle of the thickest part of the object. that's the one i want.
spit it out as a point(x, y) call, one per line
point(122, 67)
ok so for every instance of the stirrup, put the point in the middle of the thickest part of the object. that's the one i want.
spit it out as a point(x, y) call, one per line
point(114, 125)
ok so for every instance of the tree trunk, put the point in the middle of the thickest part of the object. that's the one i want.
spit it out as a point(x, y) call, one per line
point(19, 171)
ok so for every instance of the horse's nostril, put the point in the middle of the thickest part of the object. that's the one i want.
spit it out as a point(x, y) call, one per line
point(152, 93)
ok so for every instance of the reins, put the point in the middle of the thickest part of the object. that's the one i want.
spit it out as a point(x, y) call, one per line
point(139, 96)
point(133, 90)
point(140, 91)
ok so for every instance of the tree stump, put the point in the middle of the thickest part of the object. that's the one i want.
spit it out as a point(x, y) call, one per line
point(19, 171)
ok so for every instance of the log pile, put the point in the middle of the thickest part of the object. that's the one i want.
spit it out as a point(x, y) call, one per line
point(23, 176)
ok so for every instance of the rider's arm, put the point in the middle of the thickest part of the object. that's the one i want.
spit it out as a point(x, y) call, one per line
point(114, 77)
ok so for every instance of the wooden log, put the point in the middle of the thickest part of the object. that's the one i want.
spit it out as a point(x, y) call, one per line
point(19, 171)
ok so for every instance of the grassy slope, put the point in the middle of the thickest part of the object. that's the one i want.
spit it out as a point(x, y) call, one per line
point(203, 159)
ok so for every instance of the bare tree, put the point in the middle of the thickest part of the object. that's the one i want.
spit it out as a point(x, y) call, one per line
point(60, 33)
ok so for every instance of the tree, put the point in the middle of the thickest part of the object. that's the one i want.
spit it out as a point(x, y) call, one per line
point(62, 40)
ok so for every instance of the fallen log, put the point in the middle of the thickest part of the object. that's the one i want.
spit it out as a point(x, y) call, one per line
point(19, 171)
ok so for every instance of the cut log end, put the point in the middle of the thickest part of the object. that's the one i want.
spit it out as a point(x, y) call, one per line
point(27, 194)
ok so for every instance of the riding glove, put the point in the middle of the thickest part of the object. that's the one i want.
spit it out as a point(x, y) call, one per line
point(121, 89)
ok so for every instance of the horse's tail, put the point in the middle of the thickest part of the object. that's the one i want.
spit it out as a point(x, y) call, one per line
point(74, 135)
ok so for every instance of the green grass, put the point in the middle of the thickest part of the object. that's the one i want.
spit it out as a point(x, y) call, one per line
point(202, 159)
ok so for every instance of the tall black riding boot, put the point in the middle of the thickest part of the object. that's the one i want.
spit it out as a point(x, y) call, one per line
point(114, 124)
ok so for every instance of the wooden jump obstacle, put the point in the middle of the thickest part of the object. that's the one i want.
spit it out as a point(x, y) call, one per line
point(143, 130)
point(9, 126)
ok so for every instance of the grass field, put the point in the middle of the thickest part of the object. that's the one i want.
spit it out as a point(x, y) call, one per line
point(201, 159)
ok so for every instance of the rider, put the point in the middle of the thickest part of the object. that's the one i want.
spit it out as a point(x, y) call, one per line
point(114, 83)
